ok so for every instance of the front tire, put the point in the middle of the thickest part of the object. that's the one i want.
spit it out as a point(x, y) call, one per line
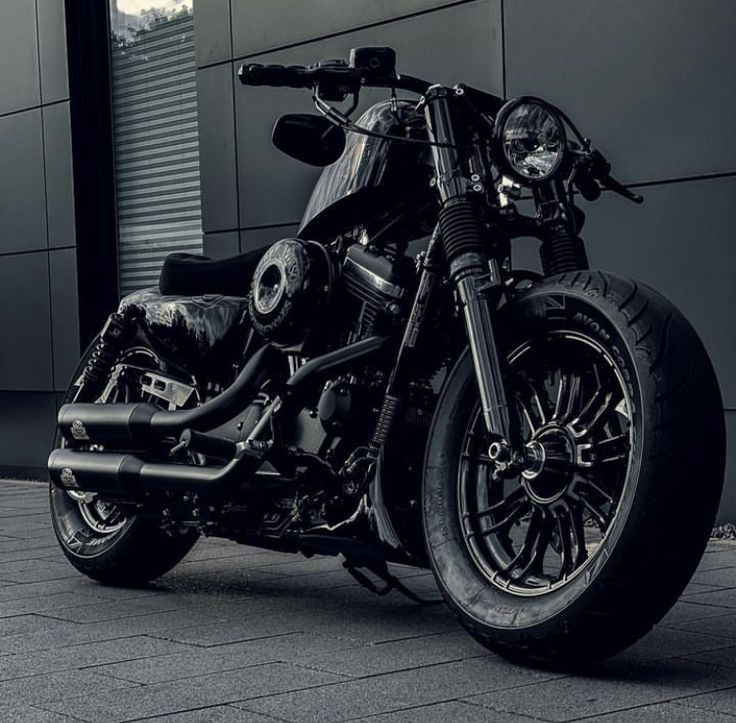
point(653, 447)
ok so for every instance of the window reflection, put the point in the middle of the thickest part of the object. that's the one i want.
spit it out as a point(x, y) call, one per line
point(155, 133)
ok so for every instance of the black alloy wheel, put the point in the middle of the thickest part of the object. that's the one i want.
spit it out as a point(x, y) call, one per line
point(531, 531)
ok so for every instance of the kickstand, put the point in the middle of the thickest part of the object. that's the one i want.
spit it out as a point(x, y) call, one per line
point(380, 570)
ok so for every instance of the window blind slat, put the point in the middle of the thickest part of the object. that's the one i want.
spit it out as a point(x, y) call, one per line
point(156, 148)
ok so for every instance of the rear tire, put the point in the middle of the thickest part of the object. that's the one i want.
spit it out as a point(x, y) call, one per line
point(109, 544)
point(674, 476)
point(139, 552)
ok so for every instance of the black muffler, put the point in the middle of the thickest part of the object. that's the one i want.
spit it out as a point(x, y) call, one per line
point(118, 474)
point(139, 424)
point(122, 474)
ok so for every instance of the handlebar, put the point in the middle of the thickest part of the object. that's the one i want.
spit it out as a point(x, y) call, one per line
point(334, 76)
point(295, 76)
point(335, 80)
point(292, 76)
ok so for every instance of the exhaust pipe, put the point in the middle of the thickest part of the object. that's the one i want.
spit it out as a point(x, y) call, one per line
point(125, 475)
point(136, 424)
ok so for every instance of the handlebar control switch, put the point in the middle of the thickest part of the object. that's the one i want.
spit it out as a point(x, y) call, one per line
point(334, 80)
point(374, 63)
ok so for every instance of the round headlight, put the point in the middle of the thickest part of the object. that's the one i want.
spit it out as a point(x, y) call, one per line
point(532, 139)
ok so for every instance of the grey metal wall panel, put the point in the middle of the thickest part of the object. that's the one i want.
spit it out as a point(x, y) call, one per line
point(25, 328)
point(19, 83)
point(59, 175)
point(256, 238)
point(260, 25)
point(652, 83)
point(22, 198)
point(212, 36)
point(26, 428)
point(52, 50)
point(274, 188)
point(217, 158)
point(221, 245)
point(680, 242)
point(64, 315)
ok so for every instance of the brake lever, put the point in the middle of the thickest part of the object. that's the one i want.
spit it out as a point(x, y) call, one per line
point(612, 184)
point(596, 166)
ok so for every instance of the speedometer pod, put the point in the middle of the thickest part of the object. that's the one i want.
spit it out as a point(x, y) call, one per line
point(530, 139)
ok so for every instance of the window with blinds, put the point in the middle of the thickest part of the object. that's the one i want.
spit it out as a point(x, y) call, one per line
point(154, 100)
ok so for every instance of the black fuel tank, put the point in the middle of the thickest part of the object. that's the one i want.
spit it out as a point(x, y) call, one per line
point(372, 173)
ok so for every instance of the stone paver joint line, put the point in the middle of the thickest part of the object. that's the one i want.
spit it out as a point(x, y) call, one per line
point(241, 634)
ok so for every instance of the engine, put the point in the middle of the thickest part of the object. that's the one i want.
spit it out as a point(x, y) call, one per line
point(379, 284)
point(310, 299)
point(300, 286)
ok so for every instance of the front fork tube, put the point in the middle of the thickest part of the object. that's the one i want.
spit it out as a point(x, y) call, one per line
point(472, 269)
point(473, 295)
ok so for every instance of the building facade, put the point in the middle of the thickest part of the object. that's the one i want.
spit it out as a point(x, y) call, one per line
point(124, 135)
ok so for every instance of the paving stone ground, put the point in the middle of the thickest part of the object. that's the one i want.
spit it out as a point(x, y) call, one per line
point(240, 634)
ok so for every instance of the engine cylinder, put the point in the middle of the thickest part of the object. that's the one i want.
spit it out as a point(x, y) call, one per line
point(379, 282)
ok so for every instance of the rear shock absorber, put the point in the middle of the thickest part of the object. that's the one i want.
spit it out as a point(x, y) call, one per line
point(113, 336)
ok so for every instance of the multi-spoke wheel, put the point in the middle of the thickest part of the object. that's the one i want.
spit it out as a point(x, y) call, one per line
point(101, 539)
point(575, 548)
point(532, 530)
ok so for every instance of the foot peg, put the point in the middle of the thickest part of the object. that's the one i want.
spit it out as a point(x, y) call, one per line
point(206, 444)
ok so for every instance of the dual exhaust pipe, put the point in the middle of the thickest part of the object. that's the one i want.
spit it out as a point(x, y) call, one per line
point(134, 425)
point(123, 474)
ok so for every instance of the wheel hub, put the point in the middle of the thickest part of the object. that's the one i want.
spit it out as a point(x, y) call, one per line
point(550, 457)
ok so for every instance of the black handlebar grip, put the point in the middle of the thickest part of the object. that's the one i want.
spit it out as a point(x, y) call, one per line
point(292, 76)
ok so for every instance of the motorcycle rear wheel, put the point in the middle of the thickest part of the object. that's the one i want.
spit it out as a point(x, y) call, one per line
point(577, 558)
point(103, 541)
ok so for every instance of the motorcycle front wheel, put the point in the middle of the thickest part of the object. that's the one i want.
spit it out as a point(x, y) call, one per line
point(577, 556)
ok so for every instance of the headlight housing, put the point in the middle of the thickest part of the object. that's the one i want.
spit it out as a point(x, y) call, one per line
point(530, 139)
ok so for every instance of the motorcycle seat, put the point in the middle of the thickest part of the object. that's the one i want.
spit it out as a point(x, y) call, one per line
point(186, 274)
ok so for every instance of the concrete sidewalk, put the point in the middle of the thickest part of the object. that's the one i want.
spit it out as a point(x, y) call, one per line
point(239, 634)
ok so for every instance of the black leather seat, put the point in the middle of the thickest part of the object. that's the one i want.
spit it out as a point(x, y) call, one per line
point(196, 275)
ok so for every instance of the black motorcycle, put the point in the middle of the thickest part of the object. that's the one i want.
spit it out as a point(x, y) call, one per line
point(388, 387)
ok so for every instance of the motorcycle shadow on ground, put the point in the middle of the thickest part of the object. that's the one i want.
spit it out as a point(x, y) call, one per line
point(249, 595)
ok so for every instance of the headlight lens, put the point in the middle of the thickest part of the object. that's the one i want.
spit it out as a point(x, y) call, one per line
point(532, 140)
